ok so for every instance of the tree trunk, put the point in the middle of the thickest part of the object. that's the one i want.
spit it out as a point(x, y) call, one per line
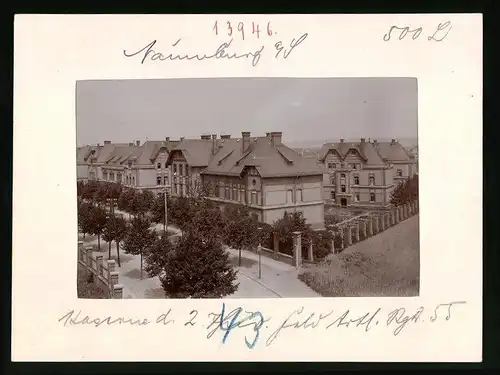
point(99, 242)
point(239, 258)
point(84, 235)
point(109, 249)
point(141, 265)
point(118, 253)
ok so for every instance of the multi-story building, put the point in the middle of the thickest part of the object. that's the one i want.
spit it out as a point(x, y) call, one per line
point(260, 172)
point(133, 165)
point(363, 173)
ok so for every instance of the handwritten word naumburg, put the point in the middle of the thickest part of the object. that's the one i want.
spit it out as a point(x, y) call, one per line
point(257, 326)
point(223, 51)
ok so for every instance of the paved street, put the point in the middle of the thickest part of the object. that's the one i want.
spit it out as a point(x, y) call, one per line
point(278, 279)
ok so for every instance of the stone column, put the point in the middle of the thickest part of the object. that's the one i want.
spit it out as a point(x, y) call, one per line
point(410, 210)
point(333, 242)
point(89, 250)
point(118, 291)
point(393, 218)
point(405, 211)
point(276, 245)
point(369, 224)
point(387, 220)
point(375, 225)
point(401, 213)
point(99, 262)
point(382, 223)
point(80, 250)
point(363, 228)
point(396, 215)
point(113, 280)
point(111, 268)
point(348, 237)
point(297, 249)
point(356, 232)
point(310, 254)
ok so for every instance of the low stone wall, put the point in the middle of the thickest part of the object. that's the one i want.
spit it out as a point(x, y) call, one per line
point(365, 227)
point(352, 231)
point(105, 275)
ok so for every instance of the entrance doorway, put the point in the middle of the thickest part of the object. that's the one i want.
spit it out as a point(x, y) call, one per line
point(343, 202)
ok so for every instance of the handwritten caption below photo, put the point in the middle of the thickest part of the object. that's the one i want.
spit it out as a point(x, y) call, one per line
point(261, 330)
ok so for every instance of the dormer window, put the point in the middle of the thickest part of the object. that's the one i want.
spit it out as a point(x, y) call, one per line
point(353, 152)
point(158, 166)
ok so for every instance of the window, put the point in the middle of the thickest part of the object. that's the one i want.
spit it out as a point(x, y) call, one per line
point(165, 180)
point(400, 172)
point(342, 165)
point(332, 180)
point(356, 180)
point(158, 166)
point(298, 195)
point(133, 181)
point(355, 166)
point(235, 194)
point(289, 196)
point(158, 180)
point(353, 152)
point(372, 197)
point(371, 179)
point(254, 197)
point(227, 192)
point(175, 169)
point(166, 165)
point(356, 197)
point(105, 175)
point(342, 175)
point(112, 176)
point(119, 178)
point(342, 188)
point(331, 165)
point(332, 194)
point(254, 182)
point(181, 171)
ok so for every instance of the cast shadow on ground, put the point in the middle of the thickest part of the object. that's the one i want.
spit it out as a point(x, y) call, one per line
point(245, 262)
point(135, 274)
point(154, 293)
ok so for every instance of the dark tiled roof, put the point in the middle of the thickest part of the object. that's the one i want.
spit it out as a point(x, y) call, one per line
point(366, 150)
point(269, 160)
point(393, 151)
point(198, 152)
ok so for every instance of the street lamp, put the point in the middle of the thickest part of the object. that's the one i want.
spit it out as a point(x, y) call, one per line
point(259, 250)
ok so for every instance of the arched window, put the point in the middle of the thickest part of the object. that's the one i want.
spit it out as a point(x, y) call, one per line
point(332, 194)
point(372, 197)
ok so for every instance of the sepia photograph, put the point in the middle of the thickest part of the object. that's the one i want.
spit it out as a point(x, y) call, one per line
point(247, 188)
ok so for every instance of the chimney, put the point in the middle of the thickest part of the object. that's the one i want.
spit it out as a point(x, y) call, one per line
point(341, 140)
point(393, 141)
point(137, 143)
point(205, 136)
point(362, 140)
point(181, 139)
point(374, 141)
point(225, 136)
point(98, 145)
point(268, 135)
point(276, 138)
point(214, 143)
point(107, 142)
point(131, 143)
point(167, 139)
point(245, 144)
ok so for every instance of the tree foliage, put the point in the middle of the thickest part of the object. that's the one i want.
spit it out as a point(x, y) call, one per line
point(406, 191)
point(289, 223)
point(196, 267)
point(139, 237)
point(97, 222)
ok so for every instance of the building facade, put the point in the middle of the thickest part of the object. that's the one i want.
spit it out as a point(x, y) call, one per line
point(363, 173)
point(260, 172)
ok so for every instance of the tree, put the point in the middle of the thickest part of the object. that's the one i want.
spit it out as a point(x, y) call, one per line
point(139, 237)
point(139, 204)
point(240, 231)
point(205, 219)
point(195, 267)
point(406, 191)
point(108, 234)
point(147, 199)
point(158, 208)
point(85, 218)
point(97, 217)
point(121, 229)
point(289, 223)
point(125, 199)
point(181, 212)
point(158, 255)
point(90, 190)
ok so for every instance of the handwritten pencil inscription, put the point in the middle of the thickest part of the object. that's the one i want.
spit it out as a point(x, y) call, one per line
point(255, 325)
point(401, 32)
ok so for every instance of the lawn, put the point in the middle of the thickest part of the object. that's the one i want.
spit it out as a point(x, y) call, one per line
point(384, 265)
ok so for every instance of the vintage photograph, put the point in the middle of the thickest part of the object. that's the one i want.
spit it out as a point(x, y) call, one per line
point(247, 188)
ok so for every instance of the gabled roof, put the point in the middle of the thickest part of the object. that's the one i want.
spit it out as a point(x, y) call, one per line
point(198, 152)
point(165, 145)
point(269, 160)
point(366, 150)
point(393, 151)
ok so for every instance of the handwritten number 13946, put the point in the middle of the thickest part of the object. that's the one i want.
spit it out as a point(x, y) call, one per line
point(241, 29)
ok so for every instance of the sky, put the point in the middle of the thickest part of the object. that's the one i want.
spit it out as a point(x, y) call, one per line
point(304, 109)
